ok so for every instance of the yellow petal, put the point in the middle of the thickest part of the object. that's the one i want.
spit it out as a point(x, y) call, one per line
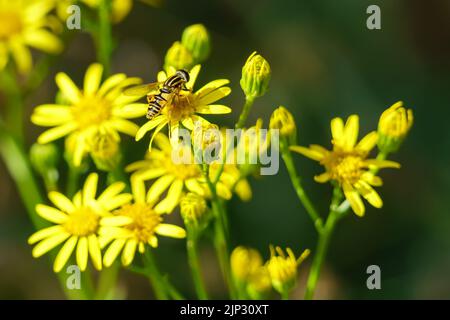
point(213, 109)
point(67, 87)
point(214, 96)
point(117, 201)
point(21, 55)
point(111, 191)
point(138, 189)
point(194, 186)
point(128, 252)
point(211, 86)
point(92, 78)
point(110, 83)
point(94, 251)
point(61, 201)
point(149, 125)
point(49, 243)
point(113, 251)
point(45, 233)
point(57, 132)
point(124, 126)
point(312, 154)
point(43, 40)
point(90, 188)
point(116, 221)
point(382, 163)
point(351, 131)
point(130, 111)
point(368, 142)
point(158, 187)
point(369, 194)
point(322, 178)
point(372, 179)
point(337, 129)
point(51, 214)
point(64, 254)
point(82, 253)
point(170, 230)
point(155, 133)
point(172, 199)
point(153, 242)
point(193, 74)
point(355, 200)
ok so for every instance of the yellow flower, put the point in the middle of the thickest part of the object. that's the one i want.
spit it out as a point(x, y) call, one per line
point(132, 227)
point(173, 177)
point(395, 123)
point(89, 112)
point(185, 108)
point(23, 24)
point(283, 268)
point(244, 262)
point(77, 222)
point(283, 120)
point(105, 151)
point(348, 163)
point(193, 208)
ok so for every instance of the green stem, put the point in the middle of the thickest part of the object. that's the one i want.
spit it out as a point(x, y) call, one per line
point(192, 252)
point(220, 234)
point(14, 110)
point(107, 282)
point(155, 276)
point(285, 295)
point(323, 243)
point(245, 112)
point(73, 179)
point(296, 182)
point(18, 166)
point(239, 125)
point(104, 36)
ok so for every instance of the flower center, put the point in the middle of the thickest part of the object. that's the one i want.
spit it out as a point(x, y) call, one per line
point(183, 171)
point(344, 166)
point(10, 24)
point(82, 222)
point(91, 111)
point(181, 107)
point(145, 220)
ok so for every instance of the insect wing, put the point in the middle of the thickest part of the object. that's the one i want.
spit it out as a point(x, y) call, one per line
point(141, 90)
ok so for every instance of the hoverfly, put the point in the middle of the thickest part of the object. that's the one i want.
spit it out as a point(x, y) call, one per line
point(168, 90)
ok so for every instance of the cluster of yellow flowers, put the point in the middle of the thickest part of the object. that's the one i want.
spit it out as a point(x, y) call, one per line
point(92, 118)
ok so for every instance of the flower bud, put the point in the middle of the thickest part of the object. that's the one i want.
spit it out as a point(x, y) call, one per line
point(195, 38)
point(193, 208)
point(283, 120)
point(255, 76)
point(244, 262)
point(394, 125)
point(44, 157)
point(105, 151)
point(259, 284)
point(283, 268)
point(178, 57)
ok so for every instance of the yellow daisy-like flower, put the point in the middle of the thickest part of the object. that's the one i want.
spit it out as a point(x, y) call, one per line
point(132, 227)
point(77, 222)
point(187, 105)
point(97, 109)
point(173, 177)
point(23, 24)
point(348, 163)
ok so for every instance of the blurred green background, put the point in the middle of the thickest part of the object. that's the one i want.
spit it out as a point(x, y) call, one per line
point(325, 63)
